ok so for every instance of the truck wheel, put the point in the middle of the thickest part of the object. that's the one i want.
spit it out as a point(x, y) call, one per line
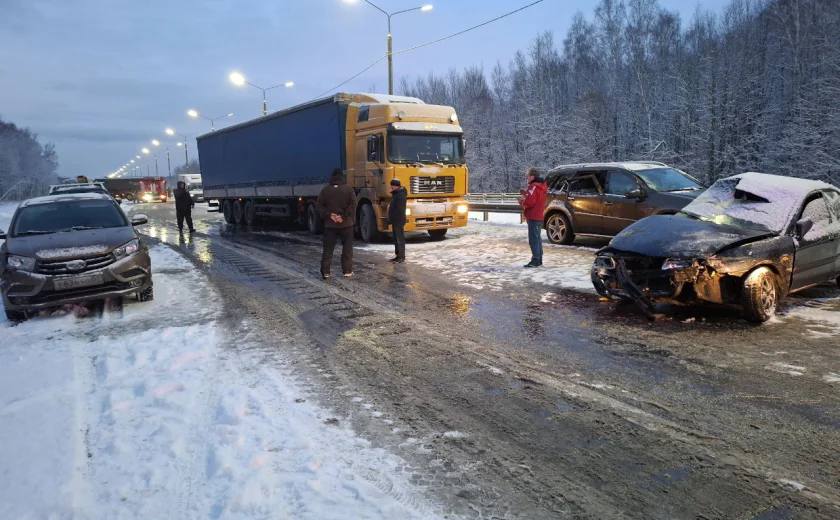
point(760, 295)
point(227, 211)
point(238, 212)
point(313, 220)
point(437, 234)
point(146, 295)
point(559, 229)
point(16, 316)
point(250, 213)
point(367, 224)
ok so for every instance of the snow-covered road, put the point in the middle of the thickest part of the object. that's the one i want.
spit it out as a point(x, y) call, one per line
point(163, 411)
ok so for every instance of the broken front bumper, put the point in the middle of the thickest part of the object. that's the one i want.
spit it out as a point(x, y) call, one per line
point(28, 291)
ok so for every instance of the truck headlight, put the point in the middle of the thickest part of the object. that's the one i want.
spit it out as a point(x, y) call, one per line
point(127, 249)
point(407, 212)
point(20, 263)
point(462, 209)
point(147, 197)
point(675, 264)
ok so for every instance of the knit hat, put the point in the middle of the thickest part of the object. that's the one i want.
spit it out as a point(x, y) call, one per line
point(395, 182)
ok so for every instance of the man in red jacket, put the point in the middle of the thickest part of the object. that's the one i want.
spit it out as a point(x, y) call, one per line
point(533, 205)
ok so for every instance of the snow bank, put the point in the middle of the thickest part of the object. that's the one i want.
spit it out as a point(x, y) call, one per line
point(490, 256)
point(161, 413)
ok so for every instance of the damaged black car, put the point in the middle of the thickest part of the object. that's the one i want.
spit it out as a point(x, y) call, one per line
point(748, 241)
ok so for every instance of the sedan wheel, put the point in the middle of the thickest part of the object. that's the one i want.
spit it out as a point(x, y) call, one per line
point(558, 229)
point(760, 295)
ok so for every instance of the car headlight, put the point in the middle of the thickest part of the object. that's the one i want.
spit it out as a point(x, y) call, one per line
point(462, 209)
point(675, 264)
point(20, 263)
point(127, 249)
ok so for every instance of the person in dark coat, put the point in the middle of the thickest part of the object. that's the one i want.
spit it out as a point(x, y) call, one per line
point(183, 207)
point(396, 216)
point(337, 207)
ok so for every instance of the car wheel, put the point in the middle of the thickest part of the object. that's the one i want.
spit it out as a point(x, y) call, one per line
point(238, 212)
point(146, 295)
point(16, 316)
point(367, 224)
point(760, 295)
point(313, 220)
point(250, 213)
point(227, 211)
point(559, 229)
point(437, 234)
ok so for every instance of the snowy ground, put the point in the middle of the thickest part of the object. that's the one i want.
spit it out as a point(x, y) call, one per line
point(490, 255)
point(158, 413)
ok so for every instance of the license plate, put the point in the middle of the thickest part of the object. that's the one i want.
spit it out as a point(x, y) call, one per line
point(74, 282)
point(431, 208)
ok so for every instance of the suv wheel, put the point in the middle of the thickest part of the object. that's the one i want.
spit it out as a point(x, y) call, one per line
point(146, 295)
point(760, 295)
point(559, 229)
point(16, 316)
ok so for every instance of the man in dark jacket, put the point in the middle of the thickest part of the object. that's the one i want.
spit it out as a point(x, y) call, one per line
point(183, 207)
point(396, 216)
point(533, 205)
point(337, 207)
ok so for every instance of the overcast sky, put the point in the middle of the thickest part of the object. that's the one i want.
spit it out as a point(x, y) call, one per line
point(100, 78)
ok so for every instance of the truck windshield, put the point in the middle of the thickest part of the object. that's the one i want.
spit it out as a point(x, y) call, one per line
point(425, 148)
point(58, 217)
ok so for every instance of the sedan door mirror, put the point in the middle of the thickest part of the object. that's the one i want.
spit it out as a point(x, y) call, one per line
point(638, 194)
point(803, 226)
point(139, 219)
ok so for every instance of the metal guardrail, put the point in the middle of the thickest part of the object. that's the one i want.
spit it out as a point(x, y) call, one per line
point(494, 203)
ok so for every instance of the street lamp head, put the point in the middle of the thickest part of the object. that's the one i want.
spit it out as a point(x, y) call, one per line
point(145, 151)
point(426, 8)
point(131, 161)
point(136, 156)
point(169, 131)
point(237, 78)
point(229, 114)
point(179, 144)
point(155, 142)
point(192, 113)
point(289, 84)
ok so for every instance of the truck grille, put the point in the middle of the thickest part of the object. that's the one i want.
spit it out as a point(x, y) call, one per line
point(433, 184)
point(64, 266)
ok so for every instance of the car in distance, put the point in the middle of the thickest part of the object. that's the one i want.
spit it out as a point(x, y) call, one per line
point(749, 240)
point(601, 199)
point(71, 248)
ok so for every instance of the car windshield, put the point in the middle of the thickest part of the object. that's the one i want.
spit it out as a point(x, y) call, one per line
point(668, 179)
point(724, 203)
point(425, 148)
point(66, 216)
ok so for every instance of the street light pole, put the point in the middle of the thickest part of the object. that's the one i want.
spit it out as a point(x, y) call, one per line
point(390, 40)
point(193, 113)
point(239, 80)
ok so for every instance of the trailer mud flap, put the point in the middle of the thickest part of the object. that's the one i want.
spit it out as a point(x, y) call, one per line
point(632, 290)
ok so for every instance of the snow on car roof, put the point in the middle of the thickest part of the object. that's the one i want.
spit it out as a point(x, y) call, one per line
point(777, 187)
point(65, 197)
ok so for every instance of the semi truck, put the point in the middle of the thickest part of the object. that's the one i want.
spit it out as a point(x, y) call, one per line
point(276, 165)
point(193, 183)
point(137, 189)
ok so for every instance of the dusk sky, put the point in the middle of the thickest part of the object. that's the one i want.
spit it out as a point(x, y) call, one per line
point(100, 78)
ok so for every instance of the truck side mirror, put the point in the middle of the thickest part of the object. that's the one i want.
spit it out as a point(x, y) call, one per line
point(638, 194)
point(803, 226)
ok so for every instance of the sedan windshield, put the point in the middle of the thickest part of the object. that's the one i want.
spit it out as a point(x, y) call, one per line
point(425, 148)
point(668, 179)
point(74, 215)
point(724, 203)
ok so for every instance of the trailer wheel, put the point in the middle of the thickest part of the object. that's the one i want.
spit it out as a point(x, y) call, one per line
point(313, 220)
point(238, 212)
point(250, 213)
point(367, 224)
point(227, 211)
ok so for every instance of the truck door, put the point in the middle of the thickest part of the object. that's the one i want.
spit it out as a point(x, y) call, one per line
point(371, 161)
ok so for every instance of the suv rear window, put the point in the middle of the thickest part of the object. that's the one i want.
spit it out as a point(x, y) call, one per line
point(75, 215)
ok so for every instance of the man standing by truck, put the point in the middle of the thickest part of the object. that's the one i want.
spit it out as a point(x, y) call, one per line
point(396, 216)
point(336, 206)
point(183, 207)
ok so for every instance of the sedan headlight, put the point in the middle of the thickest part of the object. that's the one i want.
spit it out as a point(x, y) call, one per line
point(127, 249)
point(20, 263)
point(675, 264)
point(462, 209)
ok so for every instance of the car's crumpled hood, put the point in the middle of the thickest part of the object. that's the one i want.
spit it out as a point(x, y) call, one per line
point(71, 244)
point(679, 236)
